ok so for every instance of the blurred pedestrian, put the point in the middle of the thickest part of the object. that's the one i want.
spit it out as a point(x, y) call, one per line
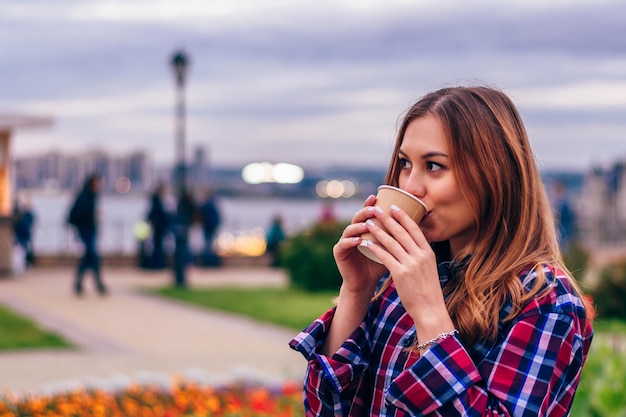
point(327, 215)
point(83, 216)
point(159, 219)
point(274, 239)
point(211, 219)
point(24, 220)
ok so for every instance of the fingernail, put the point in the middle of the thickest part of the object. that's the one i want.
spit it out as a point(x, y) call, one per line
point(356, 239)
point(378, 209)
point(395, 208)
point(370, 223)
point(370, 209)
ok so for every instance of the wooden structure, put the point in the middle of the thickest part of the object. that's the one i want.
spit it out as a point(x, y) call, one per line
point(8, 124)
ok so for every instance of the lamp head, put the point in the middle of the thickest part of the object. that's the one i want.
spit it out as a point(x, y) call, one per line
point(180, 62)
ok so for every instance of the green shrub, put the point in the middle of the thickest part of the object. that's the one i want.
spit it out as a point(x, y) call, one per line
point(308, 258)
point(610, 292)
point(576, 259)
point(603, 381)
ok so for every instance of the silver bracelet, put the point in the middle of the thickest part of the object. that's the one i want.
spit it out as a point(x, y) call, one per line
point(436, 339)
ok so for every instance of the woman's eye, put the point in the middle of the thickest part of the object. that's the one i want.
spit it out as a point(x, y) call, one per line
point(404, 163)
point(433, 166)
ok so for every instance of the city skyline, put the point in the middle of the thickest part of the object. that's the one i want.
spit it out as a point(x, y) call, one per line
point(51, 173)
point(136, 171)
point(311, 85)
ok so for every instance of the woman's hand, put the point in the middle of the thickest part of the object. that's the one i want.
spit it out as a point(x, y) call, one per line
point(358, 272)
point(360, 276)
point(409, 257)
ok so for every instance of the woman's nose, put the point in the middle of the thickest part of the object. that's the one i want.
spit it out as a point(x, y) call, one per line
point(415, 185)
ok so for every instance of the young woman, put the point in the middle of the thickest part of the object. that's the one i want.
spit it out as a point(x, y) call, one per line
point(472, 312)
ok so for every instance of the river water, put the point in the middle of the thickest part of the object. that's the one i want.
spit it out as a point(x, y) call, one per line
point(120, 213)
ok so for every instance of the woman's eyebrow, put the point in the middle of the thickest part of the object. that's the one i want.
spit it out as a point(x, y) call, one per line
point(427, 155)
point(433, 154)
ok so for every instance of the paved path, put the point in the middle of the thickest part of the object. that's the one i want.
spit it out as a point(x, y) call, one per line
point(128, 335)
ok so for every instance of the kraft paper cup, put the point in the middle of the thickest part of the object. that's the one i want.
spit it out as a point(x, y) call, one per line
point(386, 197)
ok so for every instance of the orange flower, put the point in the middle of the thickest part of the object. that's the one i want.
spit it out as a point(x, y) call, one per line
point(183, 399)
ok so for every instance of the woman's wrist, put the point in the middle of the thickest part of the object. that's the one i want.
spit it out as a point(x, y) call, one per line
point(441, 336)
point(351, 310)
point(432, 325)
point(358, 291)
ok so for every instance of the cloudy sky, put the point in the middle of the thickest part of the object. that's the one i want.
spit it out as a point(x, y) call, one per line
point(310, 82)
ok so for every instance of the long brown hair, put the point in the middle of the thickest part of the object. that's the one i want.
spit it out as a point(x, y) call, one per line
point(494, 165)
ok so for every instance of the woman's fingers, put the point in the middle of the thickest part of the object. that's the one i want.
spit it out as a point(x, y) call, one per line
point(365, 213)
point(409, 225)
point(401, 230)
point(354, 230)
point(370, 200)
point(351, 236)
point(396, 247)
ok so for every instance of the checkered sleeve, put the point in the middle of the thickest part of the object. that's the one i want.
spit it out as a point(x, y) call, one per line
point(532, 371)
point(331, 383)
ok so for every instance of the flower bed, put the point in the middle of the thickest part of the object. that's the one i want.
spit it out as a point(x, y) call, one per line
point(183, 399)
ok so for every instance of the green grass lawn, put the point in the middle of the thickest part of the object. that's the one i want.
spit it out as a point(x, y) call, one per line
point(17, 332)
point(285, 307)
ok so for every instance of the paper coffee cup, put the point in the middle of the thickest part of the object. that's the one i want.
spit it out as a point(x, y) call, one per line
point(388, 196)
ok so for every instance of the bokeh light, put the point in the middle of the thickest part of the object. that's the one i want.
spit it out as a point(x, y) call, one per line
point(244, 243)
point(336, 188)
point(257, 173)
point(122, 185)
point(142, 230)
point(262, 172)
point(287, 173)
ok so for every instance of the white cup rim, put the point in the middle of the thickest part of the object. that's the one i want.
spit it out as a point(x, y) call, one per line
point(405, 193)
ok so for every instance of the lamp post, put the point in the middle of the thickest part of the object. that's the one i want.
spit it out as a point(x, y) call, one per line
point(180, 63)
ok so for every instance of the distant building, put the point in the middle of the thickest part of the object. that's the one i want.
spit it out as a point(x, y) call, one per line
point(140, 170)
point(199, 169)
point(55, 170)
point(601, 206)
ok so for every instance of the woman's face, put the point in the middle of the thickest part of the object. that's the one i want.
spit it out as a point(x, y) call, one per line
point(426, 172)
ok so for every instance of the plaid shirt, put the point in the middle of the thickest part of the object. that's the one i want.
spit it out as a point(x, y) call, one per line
point(532, 369)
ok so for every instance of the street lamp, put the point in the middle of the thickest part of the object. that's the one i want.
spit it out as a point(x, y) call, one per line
point(179, 63)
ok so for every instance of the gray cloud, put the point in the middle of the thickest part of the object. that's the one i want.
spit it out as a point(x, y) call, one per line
point(314, 83)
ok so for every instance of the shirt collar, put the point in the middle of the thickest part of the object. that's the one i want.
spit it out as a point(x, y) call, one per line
point(450, 270)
